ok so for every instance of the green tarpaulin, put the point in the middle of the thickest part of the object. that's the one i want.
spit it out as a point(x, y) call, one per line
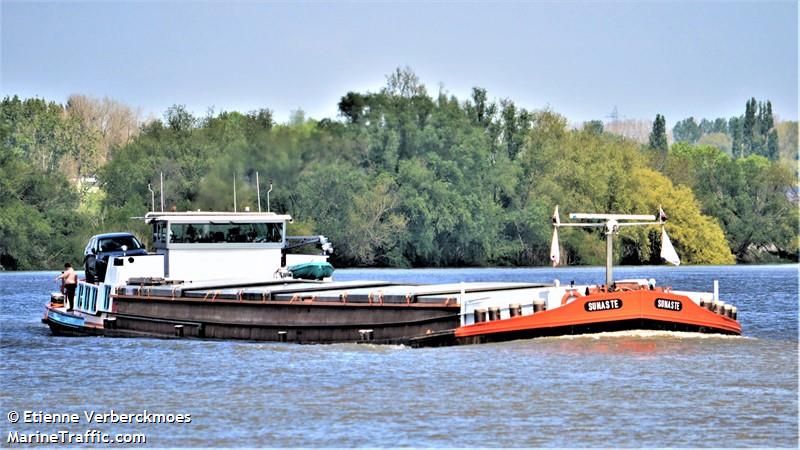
point(311, 270)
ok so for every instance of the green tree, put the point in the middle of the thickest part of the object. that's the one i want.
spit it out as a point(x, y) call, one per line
point(687, 130)
point(658, 136)
point(261, 118)
point(736, 132)
point(351, 106)
point(480, 109)
point(404, 83)
point(767, 121)
point(593, 126)
point(403, 179)
point(787, 141)
point(719, 140)
point(658, 141)
point(720, 126)
point(772, 145)
point(747, 195)
point(179, 118)
point(749, 141)
point(40, 226)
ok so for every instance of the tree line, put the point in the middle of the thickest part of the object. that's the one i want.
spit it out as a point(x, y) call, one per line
point(401, 178)
point(754, 133)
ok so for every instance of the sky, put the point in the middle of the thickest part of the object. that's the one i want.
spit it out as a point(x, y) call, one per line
point(581, 59)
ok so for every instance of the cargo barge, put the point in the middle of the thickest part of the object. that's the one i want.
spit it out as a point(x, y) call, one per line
point(233, 276)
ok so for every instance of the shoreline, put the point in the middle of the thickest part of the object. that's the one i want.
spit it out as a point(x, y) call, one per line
point(598, 267)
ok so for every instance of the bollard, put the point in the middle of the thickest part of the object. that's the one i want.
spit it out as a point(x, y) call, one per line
point(480, 315)
point(726, 310)
point(494, 313)
point(514, 310)
point(538, 305)
point(733, 312)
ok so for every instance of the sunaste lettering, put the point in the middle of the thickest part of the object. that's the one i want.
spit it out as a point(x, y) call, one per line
point(602, 305)
point(672, 305)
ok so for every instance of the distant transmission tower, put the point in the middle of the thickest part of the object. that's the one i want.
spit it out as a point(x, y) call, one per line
point(615, 115)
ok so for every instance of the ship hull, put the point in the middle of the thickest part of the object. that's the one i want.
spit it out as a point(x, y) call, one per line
point(417, 324)
point(578, 329)
point(298, 322)
point(605, 312)
point(64, 323)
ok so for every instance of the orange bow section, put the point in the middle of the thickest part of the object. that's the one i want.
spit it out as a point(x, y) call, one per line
point(665, 309)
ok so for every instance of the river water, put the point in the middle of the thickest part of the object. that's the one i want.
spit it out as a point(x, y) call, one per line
point(637, 389)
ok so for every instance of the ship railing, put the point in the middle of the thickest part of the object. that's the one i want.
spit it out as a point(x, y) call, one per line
point(92, 298)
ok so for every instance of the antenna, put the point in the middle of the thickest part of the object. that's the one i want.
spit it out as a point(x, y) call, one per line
point(152, 198)
point(161, 190)
point(258, 192)
point(234, 191)
point(270, 190)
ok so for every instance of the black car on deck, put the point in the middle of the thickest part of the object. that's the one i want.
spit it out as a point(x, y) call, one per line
point(102, 247)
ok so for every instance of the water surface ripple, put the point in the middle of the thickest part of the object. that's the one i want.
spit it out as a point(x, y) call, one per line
point(615, 389)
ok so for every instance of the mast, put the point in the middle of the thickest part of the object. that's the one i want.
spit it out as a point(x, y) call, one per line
point(609, 258)
point(612, 223)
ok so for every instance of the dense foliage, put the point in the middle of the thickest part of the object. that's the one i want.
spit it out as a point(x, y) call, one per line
point(749, 196)
point(754, 133)
point(403, 179)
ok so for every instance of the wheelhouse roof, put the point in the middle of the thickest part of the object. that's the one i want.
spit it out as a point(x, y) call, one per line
point(213, 216)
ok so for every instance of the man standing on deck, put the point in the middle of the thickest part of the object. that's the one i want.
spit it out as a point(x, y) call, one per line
point(70, 283)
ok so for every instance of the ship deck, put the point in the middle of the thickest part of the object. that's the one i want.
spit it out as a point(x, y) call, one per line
point(305, 311)
point(342, 292)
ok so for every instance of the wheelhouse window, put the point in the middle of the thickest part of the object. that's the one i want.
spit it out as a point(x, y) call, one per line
point(212, 233)
point(160, 232)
